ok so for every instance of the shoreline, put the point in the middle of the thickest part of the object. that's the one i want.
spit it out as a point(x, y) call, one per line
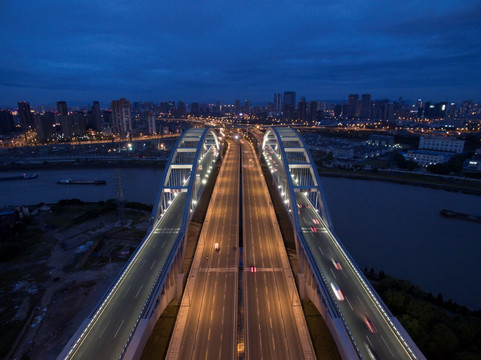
point(86, 164)
point(456, 185)
point(423, 181)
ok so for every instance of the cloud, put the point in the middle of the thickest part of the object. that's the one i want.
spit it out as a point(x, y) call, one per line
point(226, 50)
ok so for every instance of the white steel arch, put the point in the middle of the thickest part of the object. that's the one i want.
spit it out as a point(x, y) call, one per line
point(293, 169)
point(297, 181)
point(188, 168)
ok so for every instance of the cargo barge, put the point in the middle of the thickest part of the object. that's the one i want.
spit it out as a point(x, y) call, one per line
point(19, 177)
point(460, 216)
point(81, 182)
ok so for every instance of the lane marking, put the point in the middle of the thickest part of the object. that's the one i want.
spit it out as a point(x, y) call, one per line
point(126, 291)
point(361, 303)
point(333, 273)
point(105, 328)
point(153, 264)
point(322, 252)
point(118, 329)
point(349, 303)
point(385, 343)
point(138, 291)
point(369, 340)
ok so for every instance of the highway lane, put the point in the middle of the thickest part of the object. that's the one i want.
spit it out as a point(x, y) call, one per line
point(210, 328)
point(271, 328)
point(371, 332)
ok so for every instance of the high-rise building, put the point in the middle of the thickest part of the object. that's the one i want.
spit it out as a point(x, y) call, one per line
point(62, 108)
point(44, 124)
point(382, 110)
point(6, 122)
point(121, 117)
point(25, 115)
point(337, 110)
point(366, 107)
point(237, 107)
point(151, 122)
point(277, 102)
point(289, 105)
point(79, 123)
point(107, 118)
point(73, 125)
point(164, 107)
point(95, 117)
point(181, 110)
point(313, 111)
point(429, 110)
point(247, 107)
point(302, 109)
point(66, 126)
point(194, 109)
point(354, 106)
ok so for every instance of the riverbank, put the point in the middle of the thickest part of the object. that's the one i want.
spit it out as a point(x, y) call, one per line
point(441, 329)
point(456, 184)
point(85, 164)
point(55, 265)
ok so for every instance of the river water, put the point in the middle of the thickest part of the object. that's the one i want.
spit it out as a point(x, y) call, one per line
point(391, 227)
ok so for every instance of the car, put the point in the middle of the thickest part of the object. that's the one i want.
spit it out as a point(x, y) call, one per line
point(299, 205)
point(253, 269)
point(216, 246)
point(336, 264)
point(369, 324)
point(315, 221)
point(313, 229)
point(337, 291)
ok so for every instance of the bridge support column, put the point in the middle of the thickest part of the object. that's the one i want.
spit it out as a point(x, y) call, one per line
point(178, 277)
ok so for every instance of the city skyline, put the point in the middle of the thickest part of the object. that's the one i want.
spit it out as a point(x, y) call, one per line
point(210, 51)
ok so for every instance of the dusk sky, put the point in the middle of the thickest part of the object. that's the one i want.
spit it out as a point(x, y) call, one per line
point(197, 50)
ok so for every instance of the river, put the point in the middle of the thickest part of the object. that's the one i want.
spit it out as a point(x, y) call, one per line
point(391, 227)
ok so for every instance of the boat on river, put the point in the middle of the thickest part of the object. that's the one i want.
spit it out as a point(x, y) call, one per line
point(81, 182)
point(460, 216)
point(19, 177)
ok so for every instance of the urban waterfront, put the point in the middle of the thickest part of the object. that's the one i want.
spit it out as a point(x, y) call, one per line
point(390, 227)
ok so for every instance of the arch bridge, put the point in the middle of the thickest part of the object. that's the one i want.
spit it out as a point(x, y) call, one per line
point(361, 324)
point(122, 322)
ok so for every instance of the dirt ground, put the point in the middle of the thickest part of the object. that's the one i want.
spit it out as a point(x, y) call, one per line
point(60, 280)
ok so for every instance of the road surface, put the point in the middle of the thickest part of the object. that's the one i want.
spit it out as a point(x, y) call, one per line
point(211, 324)
point(272, 329)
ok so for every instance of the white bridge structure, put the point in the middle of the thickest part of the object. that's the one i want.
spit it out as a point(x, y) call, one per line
point(122, 322)
point(361, 324)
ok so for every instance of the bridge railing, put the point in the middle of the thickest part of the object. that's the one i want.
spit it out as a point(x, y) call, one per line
point(275, 146)
point(101, 305)
point(168, 260)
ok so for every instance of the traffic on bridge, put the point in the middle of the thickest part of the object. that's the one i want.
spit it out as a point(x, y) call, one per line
point(346, 295)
